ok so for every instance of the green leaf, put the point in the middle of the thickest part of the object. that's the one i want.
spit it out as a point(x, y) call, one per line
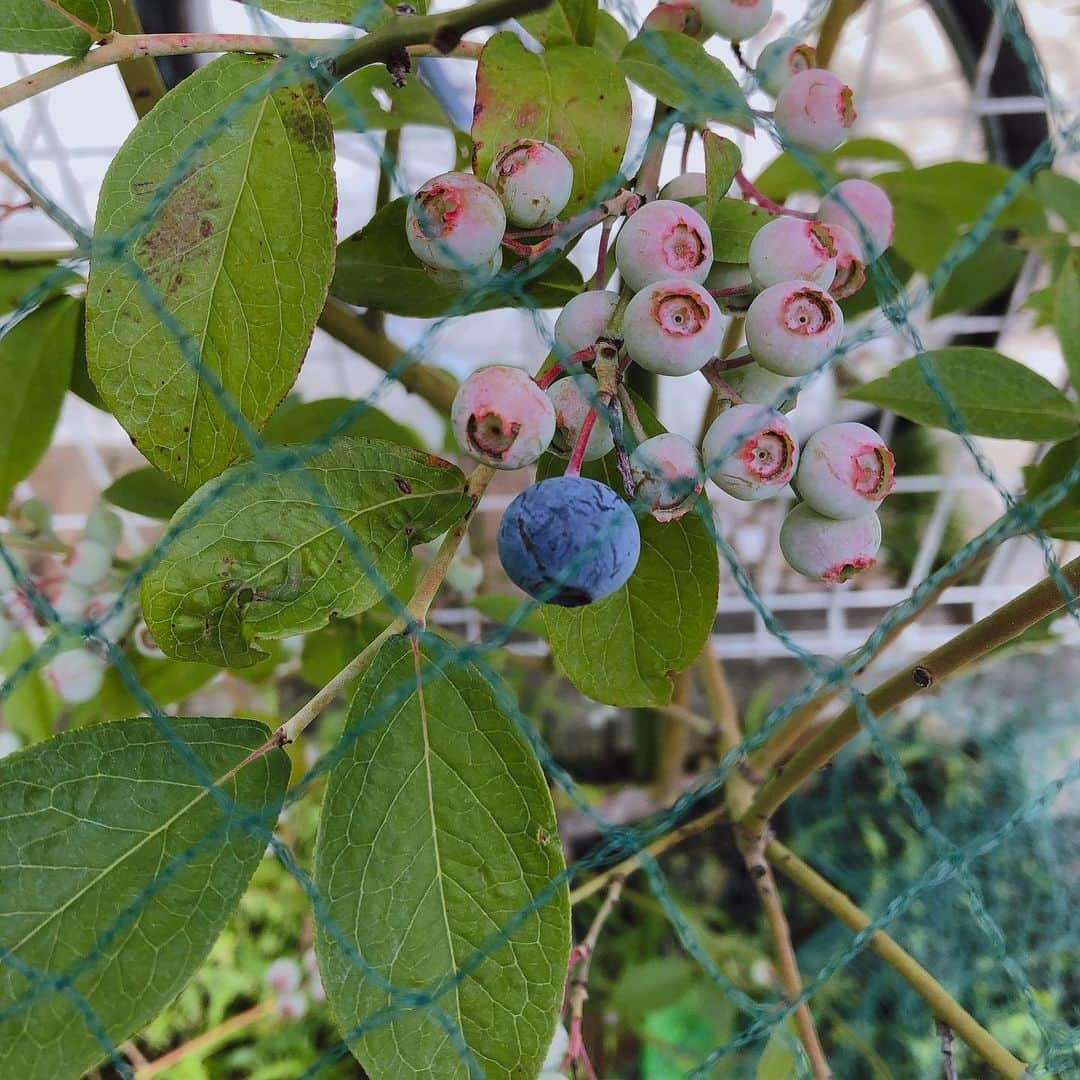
point(501, 607)
point(651, 985)
point(36, 355)
point(733, 224)
point(866, 298)
point(377, 269)
point(365, 14)
point(19, 283)
point(147, 492)
point(1061, 521)
point(31, 705)
point(988, 271)
point(261, 559)
point(1041, 302)
point(356, 103)
point(723, 160)
point(784, 176)
point(35, 26)
point(677, 70)
point(328, 650)
point(571, 96)
point(611, 36)
point(565, 22)
point(1067, 316)
point(309, 421)
point(165, 681)
point(240, 253)
point(777, 1061)
point(623, 650)
point(924, 234)
point(997, 397)
point(96, 821)
point(456, 835)
point(1061, 194)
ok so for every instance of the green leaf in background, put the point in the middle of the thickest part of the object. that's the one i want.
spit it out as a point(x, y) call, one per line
point(36, 26)
point(30, 705)
point(652, 984)
point(997, 397)
point(365, 14)
point(722, 161)
point(733, 224)
point(988, 271)
point(565, 22)
point(308, 421)
point(17, 283)
point(261, 558)
point(1067, 316)
point(454, 837)
point(89, 821)
point(866, 298)
point(501, 607)
point(328, 650)
point(1061, 521)
point(240, 253)
point(783, 176)
point(354, 103)
point(571, 96)
point(623, 650)
point(677, 70)
point(924, 233)
point(377, 269)
point(36, 355)
point(148, 492)
point(611, 36)
point(777, 1061)
point(1061, 194)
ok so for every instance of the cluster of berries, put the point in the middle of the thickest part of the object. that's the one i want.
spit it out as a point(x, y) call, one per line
point(285, 980)
point(82, 589)
point(570, 540)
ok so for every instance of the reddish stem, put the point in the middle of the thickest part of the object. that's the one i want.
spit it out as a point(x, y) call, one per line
point(731, 290)
point(751, 193)
point(578, 456)
point(601, 256)
point(549, 376)
point(687, 140)
point(518, 248)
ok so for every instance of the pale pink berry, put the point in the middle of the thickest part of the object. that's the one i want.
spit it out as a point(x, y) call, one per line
point(781, 59)
point(571, 399)
point(793, 327)
point(814, 111)
point(667, 475)
point(791, 249)
point(672, 327)
point(679, 16)
point(76, 675)
point(865, 211)
point(750, 452)
point(828, 550)
point(533, 179)
point(103, 526)
point(690, 185)
point(283, 975)
point(468, 278)
point(455, 222)
point(90, 562)
point(663, 239)
point(735, 20)
point(845, 471)
point(292, 1006)
point(144, 642)
point(850, 267)
point(584, 319)
point(69, 600)
point(502, 418)
point(114, 624)
point(751, 384)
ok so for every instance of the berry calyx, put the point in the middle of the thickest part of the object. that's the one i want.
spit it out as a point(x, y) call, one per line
point(850, 266)
point(679, 16)
point(584, 319)
point(455, 222)
point(569, 541)
point(502, 418)
point(750, 452)
point(792, 327)
point(667, 476)
point(736, 20)
point(533, 179)
point(789, 249)
point(780, 60)
point(865, 211)
point(672, 327)
point(845, 471)
point(663, 239)
point(814, 111)
point(828, 550)
point(572, 399)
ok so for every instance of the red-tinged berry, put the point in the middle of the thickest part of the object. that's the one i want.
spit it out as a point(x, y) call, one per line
point(667, 475)
point(793, 327)
point(533, 179)
point(572, 398)
point(672, 327)
point(791, 249)
point(735, 20)
point(584, 319)
point(750, 452)
point(815, 111)
point(455, 222)
point(664, 239)
point(850, 267)
point(845, 471)
point(502, 418)
point(283, 975)
point(865, 211)
point(678, 16)
point(828, 550)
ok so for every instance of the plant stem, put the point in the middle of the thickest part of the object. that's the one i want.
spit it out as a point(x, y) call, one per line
point(207, 1041)
point(751, 192)
point(341, 322)
point(647, 182)
point(1008, 622)
point(577, 458)
point(941, 1003)
point(631, 414)
point(674, 741)
point(838, 14)
point(142, 77)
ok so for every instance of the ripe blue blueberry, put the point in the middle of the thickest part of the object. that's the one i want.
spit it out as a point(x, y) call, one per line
point(826, 549)
point(667, 475)
point(750, 452)
point(569, 541)
point(792, 327)
point(814, 111)
point(845, 471)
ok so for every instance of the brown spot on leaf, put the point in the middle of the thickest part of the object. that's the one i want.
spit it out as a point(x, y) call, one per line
point(403, 485)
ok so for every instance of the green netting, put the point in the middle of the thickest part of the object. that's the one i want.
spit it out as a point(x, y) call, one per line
point(951, 871)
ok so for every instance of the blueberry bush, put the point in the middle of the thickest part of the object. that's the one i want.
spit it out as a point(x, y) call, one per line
point(375, 825)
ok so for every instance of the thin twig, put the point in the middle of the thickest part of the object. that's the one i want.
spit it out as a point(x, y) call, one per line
point(630, 414)
point(207, 1041)
point(948, 1063)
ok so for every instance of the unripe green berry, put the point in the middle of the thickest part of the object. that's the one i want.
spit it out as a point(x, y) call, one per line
point(533, 179)
point(752, 384)
point(826, 549)
point(750, 452)
point(780, 60)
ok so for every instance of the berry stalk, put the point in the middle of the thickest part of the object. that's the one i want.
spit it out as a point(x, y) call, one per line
point(752, 194)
